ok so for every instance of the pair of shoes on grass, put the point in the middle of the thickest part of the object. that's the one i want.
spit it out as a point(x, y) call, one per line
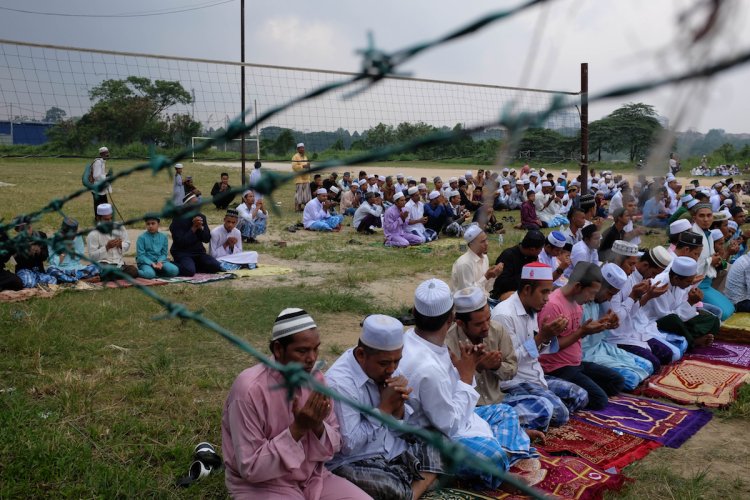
point(206, 462)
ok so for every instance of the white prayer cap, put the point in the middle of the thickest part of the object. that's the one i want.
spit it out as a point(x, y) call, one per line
point(533, 174)
point(399, 176)
point(536, 271)
point(413, 190)
point(733, 225)
point(371, 176)
point(362, 182)
point(104, 209)
point(382, 332)
point(469, 299)
point(321, 191)
point(614, 275)
point(468, 174)
point(559, 188)
point(526, 182)
point(381, 178)
point(692, 203)
point(177, 166)
point(542, 170)
point(505, 182)
point(472, 232)
point(607, 176)
point(421, 186)
point(335, 190)
point(686, 198)
point(103, 149)
point(660, 256)
point(189, 197)
point(670, 178)
point(556, 239)
point(679, 226)
point(716, 234)
point(546, 184)
point(564, 172)
point(452, 179)
point(454, 193)
point(720, 216)
point(300, 144)
point(684, 266)
point(689, 187)
point(727, 202)
point(519, 182)
point(505, 169)
point(433, 195)
point(246, 192)
point(622, 247)
point(398, 196)
point(410, 178)
point(433, 298)
point(290, 321)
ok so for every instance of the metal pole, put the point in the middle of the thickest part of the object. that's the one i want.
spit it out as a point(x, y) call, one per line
point(242, 83)
point(257, 135)
point(584, 127)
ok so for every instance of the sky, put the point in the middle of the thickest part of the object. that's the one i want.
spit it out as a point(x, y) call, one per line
point(624, 42)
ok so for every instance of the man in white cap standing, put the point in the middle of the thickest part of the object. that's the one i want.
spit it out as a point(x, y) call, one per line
point(443, 396)
point(178, 190)
point(275, 448)
point(473, 267)
point(316, 216)
point(108, 248)
point(373, 456)
point(301, 165)
point(99, 174)
point(498, 363)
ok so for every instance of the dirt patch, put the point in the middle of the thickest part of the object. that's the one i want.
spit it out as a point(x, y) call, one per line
point(307, 273)
point(399, 292)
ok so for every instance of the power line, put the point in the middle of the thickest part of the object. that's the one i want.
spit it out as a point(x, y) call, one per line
point(135, 14)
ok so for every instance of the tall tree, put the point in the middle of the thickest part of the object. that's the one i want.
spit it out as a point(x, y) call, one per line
point(634, 128)
point(54, 115)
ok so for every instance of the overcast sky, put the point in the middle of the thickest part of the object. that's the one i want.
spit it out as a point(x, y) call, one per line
point(623, 41)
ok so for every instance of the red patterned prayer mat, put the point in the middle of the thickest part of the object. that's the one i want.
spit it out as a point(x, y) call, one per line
point(723, 353)
point(697, 382)
point(127, 284)
point(667, 424)
point(601, 446)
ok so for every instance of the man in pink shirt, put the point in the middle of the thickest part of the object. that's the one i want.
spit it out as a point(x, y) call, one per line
point(275, 448)
point(599, 381)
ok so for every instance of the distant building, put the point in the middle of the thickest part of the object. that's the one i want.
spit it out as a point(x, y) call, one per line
point(30, 133)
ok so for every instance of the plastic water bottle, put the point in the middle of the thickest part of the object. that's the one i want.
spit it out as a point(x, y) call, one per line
point(500, 238)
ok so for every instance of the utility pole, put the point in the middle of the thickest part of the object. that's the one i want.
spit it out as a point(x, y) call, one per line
point(242, 84)
point(584, 127)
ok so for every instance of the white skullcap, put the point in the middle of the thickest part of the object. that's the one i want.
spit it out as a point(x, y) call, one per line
point(472, 232)
point(413, 190)
point(727, 202)
point(556, 239)
point(398, 196)
point(421, 186)
point(104, 209)
point(526, 181)
point(362, 182)
point(512, 170)
point(452, 179)
point(670, 178)
point(381, 178)
point(371, 176)
point(536, 271)
point(104, 149)
point(733, 225)
point(660, 256)
point(533, 174)
point(559, 188)
point(177, 165)
point(679, 226)
point(720, 216)
point(565, 171)
point(468, 174)
point(505, 169)
point(321, 191)
point(716, 234)
point(505, 182)
point(684, 266)
point(433, 195)
point(410, 178)
point(454, 193)
point(382, 332)
point(290, 321)
point(546, 184)
point(542, 170)
point(334, 189)
point(692, 203)
point(433, 298)
point(300, 144)
point(622, 247)
point(614, 275)
point(607, 176)
point(469, 299)
point(246, 192)
point(399, 176)
point(519, 182)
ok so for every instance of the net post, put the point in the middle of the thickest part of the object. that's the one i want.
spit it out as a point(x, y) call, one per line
point(584, 126)
point(242, 84)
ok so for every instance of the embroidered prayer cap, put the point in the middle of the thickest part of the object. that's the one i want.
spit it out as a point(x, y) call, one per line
point(321, 191)
point(433, 195)
point(720, 216)
point(614, 275)
point(178, 166)
point(246, 192)
point(398, 196)
point(572, 187)
point(684, 266)
point(660, 256)
point(700, 206)
point(679, 226)
point(690, 239)
point(189, 197)
point(410, 178)
point(469, 299)
point(689, 187)
point(290, 321)
point(556, 239)
point(413, 190)
point(716, 234)
point(622, 247)
point(335, 190)
point(104, 149)
point(437, 179)
point(536, 271)
point(587, 201)
point(472, 232)
point(232, 213)
point(559, 188)
point(382, 332)
point(300, 145)
point(422, 186)
point(104, 209)
point(433, 298)
point(533, 174)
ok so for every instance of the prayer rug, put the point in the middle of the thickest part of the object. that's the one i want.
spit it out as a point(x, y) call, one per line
point(126, 284)
point(661, 422)
point(601, 446)
point(27, 293)
point(723, 353)
point(697, 382)
point(198, 278)
point(260, 271)
point(736, 329)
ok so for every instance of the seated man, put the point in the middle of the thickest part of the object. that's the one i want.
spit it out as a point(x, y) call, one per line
point(188, 236)
point(66, 265)
point(737, 288)
point(226, 245)
point(586, 250)
point(599, 381)
point(275, 448)
point(222, 197)
point(443, 396)
point(498, 362)
point(368, 216)
point(373, 456)
point(108, 248)
point(350, 199)
point(31, 256)
point(417, 219)
point(554, 255)
point(529, 218)
point(437, 213)
point(396, 225)
point(316, 217)
point(473, 268)
point(151, 250)
point(513, 259)
point(518, 314)
point(253, 217)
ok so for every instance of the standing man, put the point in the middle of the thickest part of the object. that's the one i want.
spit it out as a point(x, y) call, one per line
point(98, 174)
point(255, 178)
point(178, 190)
point(274, 448)
point(301, 165)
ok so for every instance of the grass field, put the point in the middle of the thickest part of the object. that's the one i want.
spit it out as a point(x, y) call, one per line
point(99, 399)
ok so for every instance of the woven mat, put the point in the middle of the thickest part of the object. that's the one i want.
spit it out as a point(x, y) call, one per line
point(736, 329)
point(198, 278)
point(723, 353)
point(697, 382)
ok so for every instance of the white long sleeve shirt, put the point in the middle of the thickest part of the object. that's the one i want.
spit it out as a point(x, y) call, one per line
point(99, 172)
point(97, 246)
point(633, 328)
point(469, 270)
point(704, 261)
point(416, 211)
point(219, 236)
point(314, 212)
